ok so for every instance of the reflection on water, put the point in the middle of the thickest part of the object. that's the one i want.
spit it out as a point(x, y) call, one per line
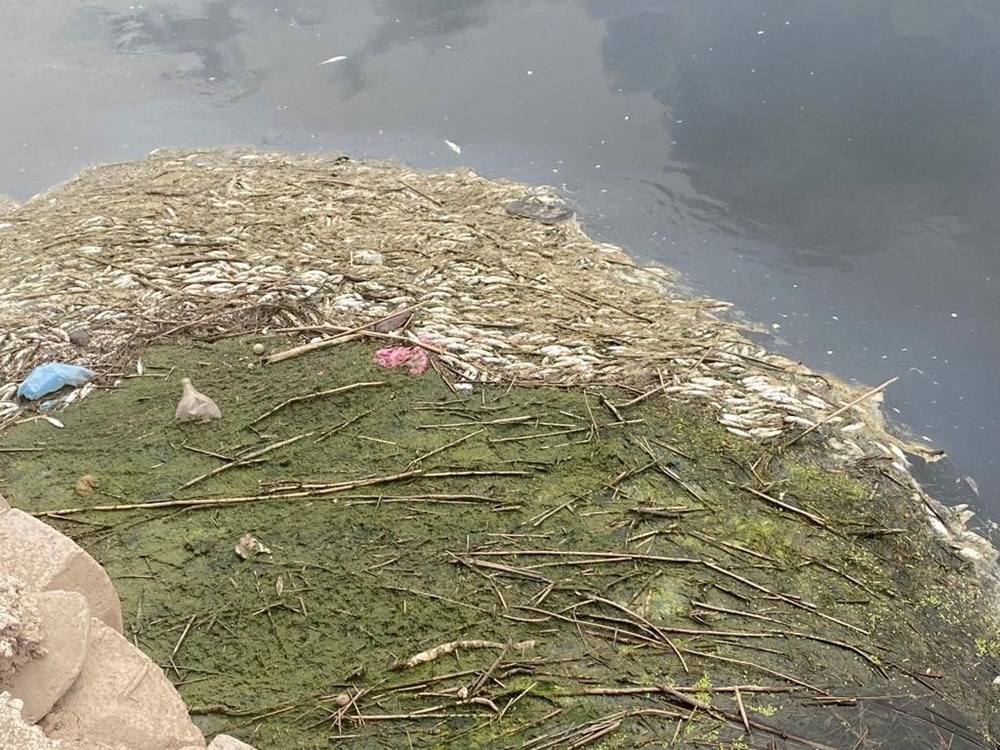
point(859, 143)
point(830, 167)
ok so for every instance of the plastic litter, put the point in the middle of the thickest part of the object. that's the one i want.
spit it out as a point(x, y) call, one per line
point(250, 546)
point(195, 406)
point(414, 357)
point(50, 377)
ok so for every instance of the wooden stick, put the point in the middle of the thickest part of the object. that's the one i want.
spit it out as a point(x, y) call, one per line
point(317, 394)
point(454, 425)
point(673, 511)
point(841, 410)
point(642, 396)
point(177, 646)
point(325, 434)
point(538, 435)
point(434, 498)
point(611, 556)
point(736, 612)
point(446, 446)
point(790, 508)
point(670, 473)
point(743, 712)
point(240, 461)
point(765, 670)
point(689, 702)
point(340, 338)
point(215, 501)
point(312, 346)
point(653, 689)
point(646, 624)
point(419, 192)
point(545, 515)
point(207, 453)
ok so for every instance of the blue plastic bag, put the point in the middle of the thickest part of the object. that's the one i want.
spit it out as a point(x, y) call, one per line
point(50, 377)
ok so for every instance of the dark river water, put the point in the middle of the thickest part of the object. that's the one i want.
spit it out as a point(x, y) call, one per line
point(831, 166)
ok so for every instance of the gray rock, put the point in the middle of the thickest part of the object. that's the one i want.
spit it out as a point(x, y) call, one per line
point(121, 698)
point(226, 742)
point(45, 679)
point(49, 561)
point(17, 733)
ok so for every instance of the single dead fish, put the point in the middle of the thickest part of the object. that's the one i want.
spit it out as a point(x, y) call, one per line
point(397, 321)
point(79, 337)
point(195, 406)
point(972, 485)
point(546, 212)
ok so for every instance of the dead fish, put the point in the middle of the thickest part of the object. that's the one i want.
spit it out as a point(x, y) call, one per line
point(394, 323)
point(79, 337)
point(195, 406)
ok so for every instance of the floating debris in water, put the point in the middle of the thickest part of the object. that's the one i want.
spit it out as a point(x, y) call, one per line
point(546, 212)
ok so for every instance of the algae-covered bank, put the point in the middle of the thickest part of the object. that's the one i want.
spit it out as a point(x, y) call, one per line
point(599, 518)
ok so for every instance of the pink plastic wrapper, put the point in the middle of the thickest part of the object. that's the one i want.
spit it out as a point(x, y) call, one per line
point(414, 357)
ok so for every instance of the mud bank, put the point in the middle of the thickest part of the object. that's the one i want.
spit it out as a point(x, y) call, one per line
point(602, 518)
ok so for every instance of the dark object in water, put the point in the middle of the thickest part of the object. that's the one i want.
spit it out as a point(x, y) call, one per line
point(547, 212)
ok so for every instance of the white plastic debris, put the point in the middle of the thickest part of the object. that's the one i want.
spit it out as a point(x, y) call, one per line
point(195, 406)
point(453, 146)
point(250, 546)
point(335, 58)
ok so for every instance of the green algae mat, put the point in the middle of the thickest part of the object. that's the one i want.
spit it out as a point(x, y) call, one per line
point(358, 557)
